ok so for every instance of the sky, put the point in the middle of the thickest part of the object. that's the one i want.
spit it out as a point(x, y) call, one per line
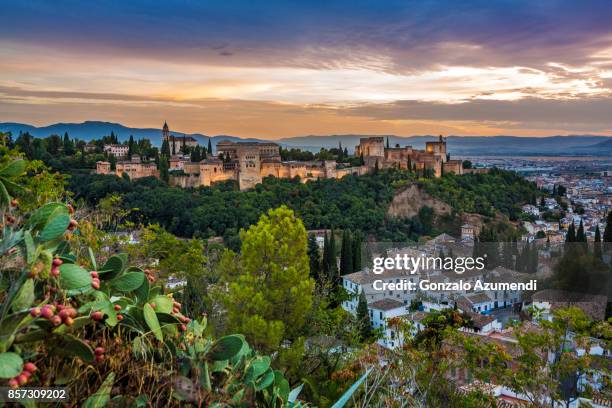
point(273, 69)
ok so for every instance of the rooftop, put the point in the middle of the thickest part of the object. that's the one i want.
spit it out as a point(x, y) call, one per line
point(386, 304)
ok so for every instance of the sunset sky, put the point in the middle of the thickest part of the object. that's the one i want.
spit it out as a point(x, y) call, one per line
point(275, 69)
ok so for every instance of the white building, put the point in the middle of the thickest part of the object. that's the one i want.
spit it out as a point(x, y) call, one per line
point(116, 150)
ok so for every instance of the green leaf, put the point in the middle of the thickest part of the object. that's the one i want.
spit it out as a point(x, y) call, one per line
point(13, 188)
point(92, 258)
point(74, 277)
point(4, 195)
point(142, 293)
point(112, 268)
point(45, 213)
point(163, 304)
point(265, 381)
point(227, 347)
point(101, 397)
point(11, 365)
point(129, 281)
point(30, 248)
point(151, 319)
point(257, 367)
point(70, 346)
point(25, 296)
point(167, 318)
point(55, 228)
point(13, 169)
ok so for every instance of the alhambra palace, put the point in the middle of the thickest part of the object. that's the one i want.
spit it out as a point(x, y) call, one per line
point(249, 162)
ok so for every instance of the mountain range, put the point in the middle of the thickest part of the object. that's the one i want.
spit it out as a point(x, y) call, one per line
point(458, 145)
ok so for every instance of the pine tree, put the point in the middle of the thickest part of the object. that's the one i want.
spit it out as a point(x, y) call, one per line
point(346, 253)
point(363, 318)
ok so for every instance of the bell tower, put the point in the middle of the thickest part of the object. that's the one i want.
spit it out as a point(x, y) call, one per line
point(166, 132)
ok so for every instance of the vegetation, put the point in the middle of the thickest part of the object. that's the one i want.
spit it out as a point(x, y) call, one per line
point(357, 203)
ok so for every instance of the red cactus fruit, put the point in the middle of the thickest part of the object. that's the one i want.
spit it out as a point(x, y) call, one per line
point(56, 320)
point(22, 379)
point(99, 350)
point(119, 317)
point(14, 202)
point(183, 327)
point(95, 283)
point(72, 312)
point(46, 312)
point(57, 262)
point(30, 367)
point(153, 305)
point(73, 224)
point(70, 208)
point(35, 311)
point(13, 383)
point(68, 321)
point(99, 358)
point(98, 315)
point(94, 274)
point(117, 307)
point(55, 271)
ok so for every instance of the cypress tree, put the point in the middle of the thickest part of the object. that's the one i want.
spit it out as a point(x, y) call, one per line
point(165, 148)
point(363, 318)
point(571, 235)
point(314, 258)
point(332, 264)
point(597, 246)
point(130, 147)
point(209, 146)
point(346, 254)
point(325, 260)
point(357, 237)
point(607, 236)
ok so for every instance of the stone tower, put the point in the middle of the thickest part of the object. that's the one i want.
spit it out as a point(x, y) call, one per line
point(165, 133)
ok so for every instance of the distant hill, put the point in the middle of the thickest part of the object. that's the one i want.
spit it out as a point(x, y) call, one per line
point(94, 130)
point(457, 145)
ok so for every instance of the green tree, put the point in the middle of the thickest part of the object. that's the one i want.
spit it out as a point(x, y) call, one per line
point(68, 145)
point(607, 236)
point(597, 244)
point(130, 147)
point(164, 165)
point(346, 253)
point(165, 148)
point(363, 318)
point(270, 300)
point(314, 257)
point(210, 151)
point(357, 257)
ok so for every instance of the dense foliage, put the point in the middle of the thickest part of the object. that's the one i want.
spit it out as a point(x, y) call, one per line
point(354, 202)
point(485, 193)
